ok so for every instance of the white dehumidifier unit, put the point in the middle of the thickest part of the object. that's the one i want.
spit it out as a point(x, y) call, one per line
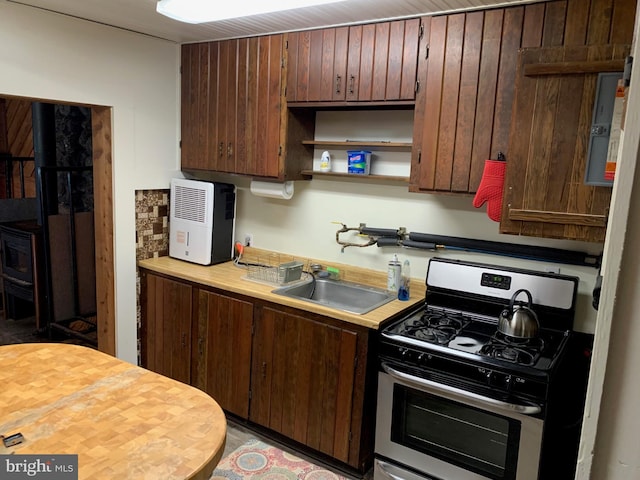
point(201, 221)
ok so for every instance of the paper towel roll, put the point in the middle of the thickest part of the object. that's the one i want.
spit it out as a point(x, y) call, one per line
point(272, 190)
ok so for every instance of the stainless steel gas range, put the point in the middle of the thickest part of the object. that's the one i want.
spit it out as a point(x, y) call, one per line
point(459, 400)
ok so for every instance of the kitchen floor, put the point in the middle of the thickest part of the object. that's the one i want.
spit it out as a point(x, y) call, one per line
point(238, 435)
point(19, 331)
point(24, 331)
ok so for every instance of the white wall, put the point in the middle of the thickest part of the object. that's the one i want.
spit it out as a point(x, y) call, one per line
point(609, 446)
point(52, 57)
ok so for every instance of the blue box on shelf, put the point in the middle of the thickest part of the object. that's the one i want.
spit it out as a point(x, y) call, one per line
point(358, 162)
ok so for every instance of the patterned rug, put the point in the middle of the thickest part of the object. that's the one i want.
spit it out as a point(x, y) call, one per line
point(257, 460)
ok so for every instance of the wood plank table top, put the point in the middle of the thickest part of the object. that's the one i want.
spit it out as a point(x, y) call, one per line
point(123, 421)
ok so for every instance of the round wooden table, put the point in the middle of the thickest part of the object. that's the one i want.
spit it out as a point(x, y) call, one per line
point(123, 422)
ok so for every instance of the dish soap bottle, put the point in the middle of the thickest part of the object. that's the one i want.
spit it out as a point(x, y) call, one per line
point(393, 274)
point(325, 162)
point(403, 291)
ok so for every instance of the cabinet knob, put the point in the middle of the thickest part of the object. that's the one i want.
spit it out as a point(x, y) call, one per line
point(220, 149)
point(264, 370)
point(229, 150)
point(338, 83)
point(352, 84)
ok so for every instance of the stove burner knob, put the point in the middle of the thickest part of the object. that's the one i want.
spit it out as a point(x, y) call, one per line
point(422, 358)
point(404, 353)
point(489, 375)
point(507, 382)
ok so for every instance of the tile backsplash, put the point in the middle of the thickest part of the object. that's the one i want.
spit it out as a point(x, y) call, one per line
point(152, 223)
point(152, 233)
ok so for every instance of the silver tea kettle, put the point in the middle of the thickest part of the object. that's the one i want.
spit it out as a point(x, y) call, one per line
point(519, 320)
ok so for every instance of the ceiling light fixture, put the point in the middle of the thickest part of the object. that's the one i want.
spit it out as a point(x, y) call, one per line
point(202, 11)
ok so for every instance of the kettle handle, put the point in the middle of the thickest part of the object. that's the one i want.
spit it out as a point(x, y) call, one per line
point(518, 292)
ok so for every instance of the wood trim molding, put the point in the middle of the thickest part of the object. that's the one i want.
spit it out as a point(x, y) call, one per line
point(558, 217)
point(571, 68)
point(103, 220)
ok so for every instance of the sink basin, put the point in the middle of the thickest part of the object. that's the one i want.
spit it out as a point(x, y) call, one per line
point(346, 296)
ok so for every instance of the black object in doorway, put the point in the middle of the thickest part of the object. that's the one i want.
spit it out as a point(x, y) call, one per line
point(64, 179)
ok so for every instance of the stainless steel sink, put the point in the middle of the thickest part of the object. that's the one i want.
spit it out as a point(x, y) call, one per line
point(346, 296)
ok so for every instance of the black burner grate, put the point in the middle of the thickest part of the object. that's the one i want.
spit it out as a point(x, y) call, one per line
point(435, 326)
point(523, 351)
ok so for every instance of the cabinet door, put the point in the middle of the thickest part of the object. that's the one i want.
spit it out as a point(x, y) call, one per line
point(231, 106)
point(463, 107)
point(207, 114)
point(197, 144)
point(302, 380)
point(223, 105)
point(545, 194)
point(167, 316)
point(363, 63)
point(261, 110)
point(317, 65)
point(223, 345)
point(382, 61)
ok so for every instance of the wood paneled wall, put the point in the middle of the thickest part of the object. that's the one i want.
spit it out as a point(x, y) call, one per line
point(16, 138)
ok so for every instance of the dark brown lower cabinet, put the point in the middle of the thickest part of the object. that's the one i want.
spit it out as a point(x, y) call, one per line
point(167, 308)
point(308, 382)
point(307, 377)
point(222, 350)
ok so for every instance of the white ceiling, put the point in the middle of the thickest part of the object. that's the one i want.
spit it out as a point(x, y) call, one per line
point(140, 16)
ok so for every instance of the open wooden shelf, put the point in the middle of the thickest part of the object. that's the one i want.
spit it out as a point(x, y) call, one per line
point(355, 176)
point(349, 144)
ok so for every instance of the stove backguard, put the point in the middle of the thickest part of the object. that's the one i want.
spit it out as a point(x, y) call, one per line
point(486, 290)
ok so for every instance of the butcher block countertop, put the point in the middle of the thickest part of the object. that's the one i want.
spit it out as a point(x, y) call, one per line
point(230, 277)
point(123, 422)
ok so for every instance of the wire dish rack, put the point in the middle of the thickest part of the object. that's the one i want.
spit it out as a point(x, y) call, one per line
point(274, 269)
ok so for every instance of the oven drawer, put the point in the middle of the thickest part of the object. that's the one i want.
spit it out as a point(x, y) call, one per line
point(383, 470)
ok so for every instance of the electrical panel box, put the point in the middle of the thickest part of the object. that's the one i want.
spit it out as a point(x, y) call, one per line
point(604, 135)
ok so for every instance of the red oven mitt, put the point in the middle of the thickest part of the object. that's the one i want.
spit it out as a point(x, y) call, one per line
point(490, 189)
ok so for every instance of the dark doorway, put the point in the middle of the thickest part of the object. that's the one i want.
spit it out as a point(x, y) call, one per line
point(67, 206)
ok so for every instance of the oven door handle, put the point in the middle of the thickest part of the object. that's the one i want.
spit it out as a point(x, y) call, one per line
point(458, 393)
point(22, 283)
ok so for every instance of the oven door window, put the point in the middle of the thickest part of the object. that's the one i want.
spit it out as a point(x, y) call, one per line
point(476, 440)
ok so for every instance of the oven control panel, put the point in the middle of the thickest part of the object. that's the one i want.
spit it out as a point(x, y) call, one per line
point(431, 365)
point(496, 281)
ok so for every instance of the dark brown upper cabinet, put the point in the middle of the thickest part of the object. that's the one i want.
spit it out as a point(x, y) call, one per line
point(462, 115)
point(477, 102)
point(362, 63)
point(233, 119)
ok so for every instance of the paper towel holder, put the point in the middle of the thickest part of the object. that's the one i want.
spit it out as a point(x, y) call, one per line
point(280, 190)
